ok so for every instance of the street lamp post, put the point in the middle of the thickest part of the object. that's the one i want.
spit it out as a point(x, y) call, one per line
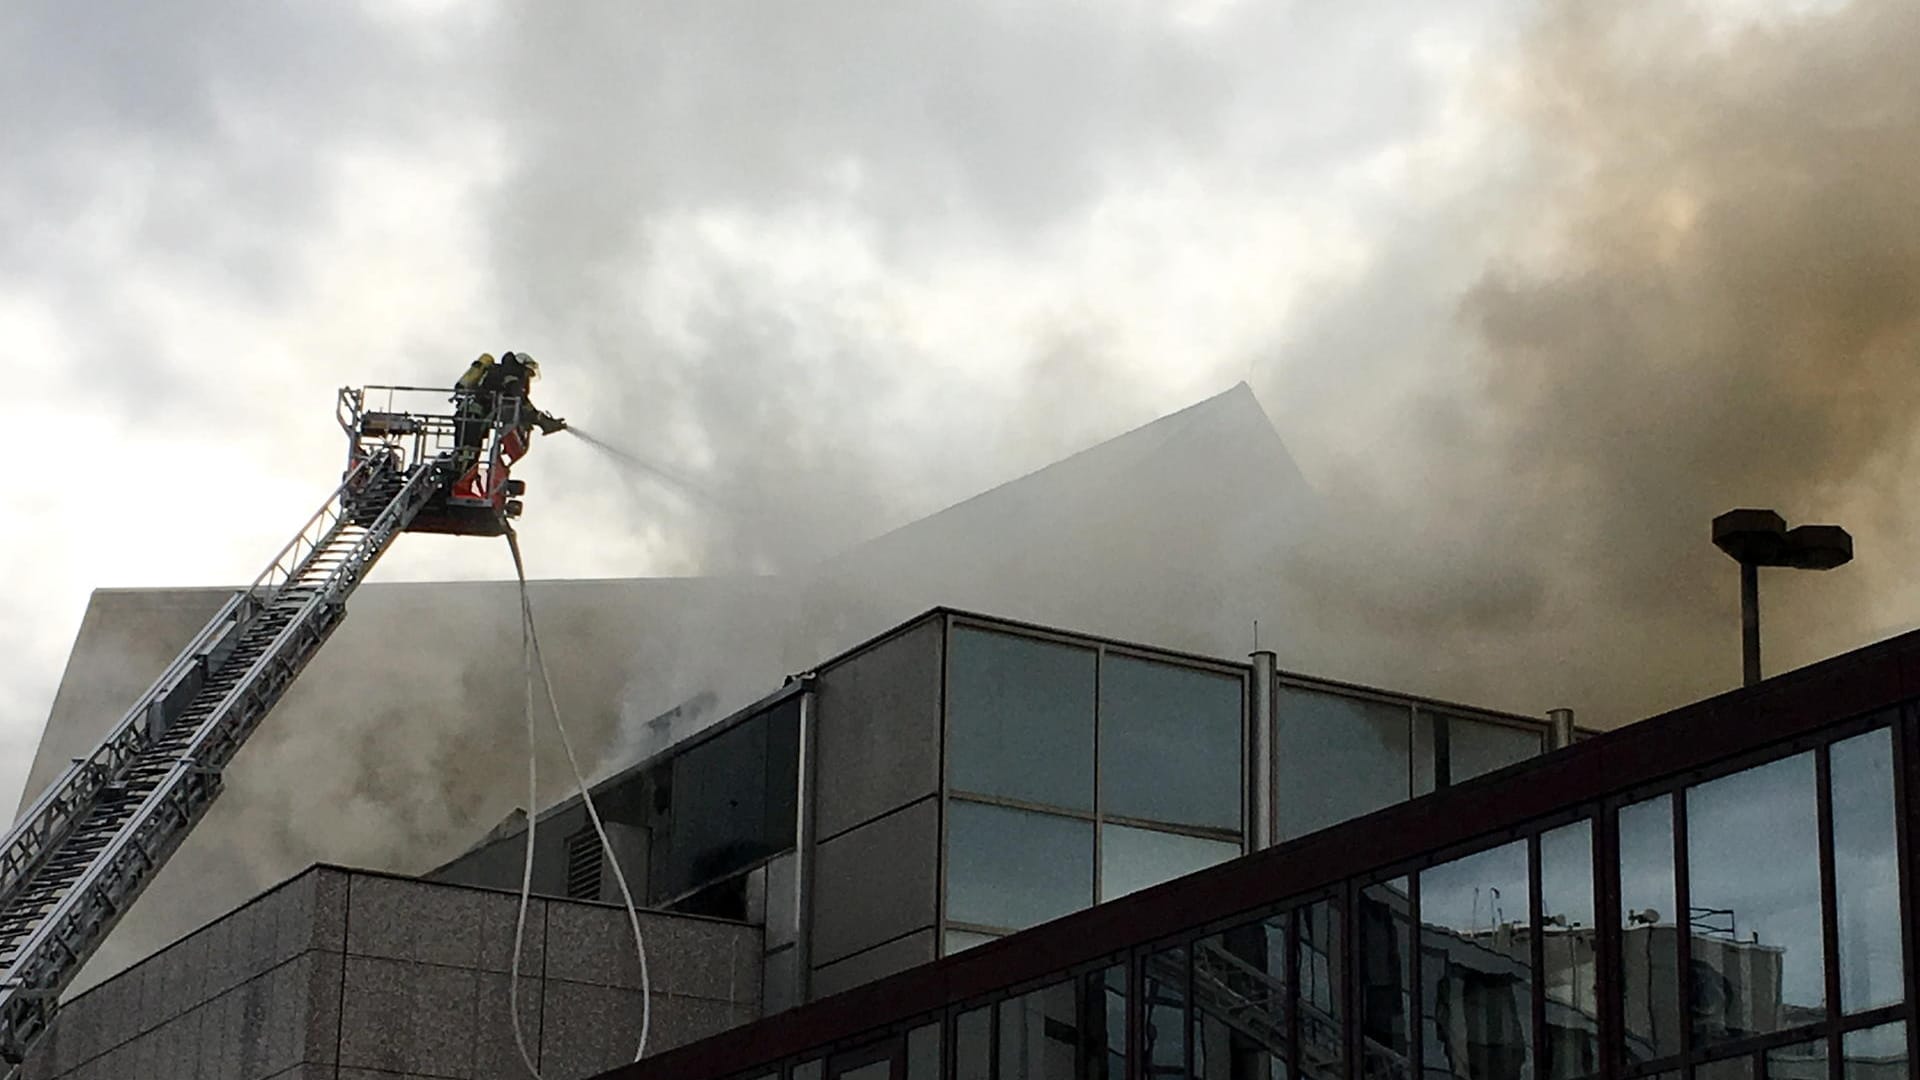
point(1757, 538)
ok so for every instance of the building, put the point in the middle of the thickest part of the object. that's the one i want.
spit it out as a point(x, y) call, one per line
point(1721, 891)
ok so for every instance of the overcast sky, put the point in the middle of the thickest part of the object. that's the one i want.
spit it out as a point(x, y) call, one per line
point(845, 262)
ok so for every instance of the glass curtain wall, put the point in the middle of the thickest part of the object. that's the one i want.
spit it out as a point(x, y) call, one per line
point(1340, 753)
point(1080, 772)
point(1741, 922)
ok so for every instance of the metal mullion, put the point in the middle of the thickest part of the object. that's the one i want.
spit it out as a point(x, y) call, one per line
point(1189, 1015)
point(1536, 995)
point(1095, 894)
point(1683, 927)
point(1350, 950)
point(1906, 782)
point(1416, 1007)
point(1609, 1017)
point(1829, 901)
point(1290, 956)
point(1136, 1013)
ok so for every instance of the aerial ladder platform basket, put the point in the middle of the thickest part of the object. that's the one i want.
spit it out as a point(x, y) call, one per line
point(82, 852)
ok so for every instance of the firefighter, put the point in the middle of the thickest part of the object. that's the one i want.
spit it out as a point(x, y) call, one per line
point(512, 378)
point(472, 409)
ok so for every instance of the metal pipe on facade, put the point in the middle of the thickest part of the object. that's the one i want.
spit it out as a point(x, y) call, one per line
point(803, 848)
point(1559, 728)
point(1260, 750)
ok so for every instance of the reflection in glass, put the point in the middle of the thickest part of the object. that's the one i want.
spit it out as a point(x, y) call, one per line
point(1163, 1036)
point(1386, 974)
point(1735, 1068)
point(809, 1070)
point(1427, 768)
point(962, 940)
point(1039, 1035)
point(872, 1070)
point(1569, 951)
point(1866, 872)
point(1169, 738)
point(1649, 940)
point(1020, 718)
point(1133, 859)
point(1477, 747)
point(1755, 921)
point(1876, 1053)
point(1242, 1002)
point(1319, 973)
point(1336, 757)
point(1104, 1024)
point(1476, 972)
point(923, 1053)
point(973, 1045)
point(1801, 1061)
point(1014, 868)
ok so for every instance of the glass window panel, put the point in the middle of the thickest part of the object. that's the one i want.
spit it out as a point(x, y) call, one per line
point(1039, 1038)
point(1735, 1068)
point(1170, 741)
point(1866, 872)
point(1337, 757)
point(808, 1070)
point(1477, 747)
point(1801, 1061)
point(1020, 718)
point(1386, 975)
point(1133, 859)
point(923, 1053)
point(1476, 971)
point(962, 940)
point(1649, 936)
point(1015, 868)
point(1104, 1024)
point(1426, 766)
point(1875, 1053)
point(973, 1045)
point(1242, 997)
point(1163, 1036)
point(1755, 922)
point(732, 803)
point(1569, 948)
point(1319, 975)
point(872, 1070)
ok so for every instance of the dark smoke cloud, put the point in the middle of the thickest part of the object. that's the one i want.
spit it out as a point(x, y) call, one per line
point(1709, 302)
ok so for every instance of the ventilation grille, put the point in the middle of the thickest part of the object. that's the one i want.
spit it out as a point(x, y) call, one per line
point(583, 866)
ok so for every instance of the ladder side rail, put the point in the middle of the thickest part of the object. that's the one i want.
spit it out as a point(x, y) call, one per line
point(68, 934)
point(68, 799)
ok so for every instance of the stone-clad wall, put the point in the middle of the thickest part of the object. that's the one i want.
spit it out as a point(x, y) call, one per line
point(356, 976)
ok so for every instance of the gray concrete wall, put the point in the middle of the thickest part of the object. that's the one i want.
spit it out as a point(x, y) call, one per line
point(875, 789)
point(358, 976)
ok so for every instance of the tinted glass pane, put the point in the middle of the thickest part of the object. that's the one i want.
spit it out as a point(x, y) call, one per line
point(973, 1045)
point(961, 940)
point(1337, 758)
point(1570, 976)
point(1163, 1037)
point(1877, 1053)
point(1321, 978)
point(923, 1053)
point(1104, 1024)
point(1757, 956)
point(1013, 868)
point(1476, 747)
point(1801, 1061)
point(1242, 998)
point(1020, 718)
point(1739, 1068)
point(1039, 1037)
point(1132, 859)
point(1866, 872)
point(731, 803)
point(808, 1070)
point(1426, 749)
point(1170, 743)
point(1649, 937)
point(1386, 975)
point(872, 1070)
point(1477, 966)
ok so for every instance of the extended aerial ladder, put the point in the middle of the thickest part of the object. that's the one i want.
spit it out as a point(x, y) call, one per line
point(83, 851)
